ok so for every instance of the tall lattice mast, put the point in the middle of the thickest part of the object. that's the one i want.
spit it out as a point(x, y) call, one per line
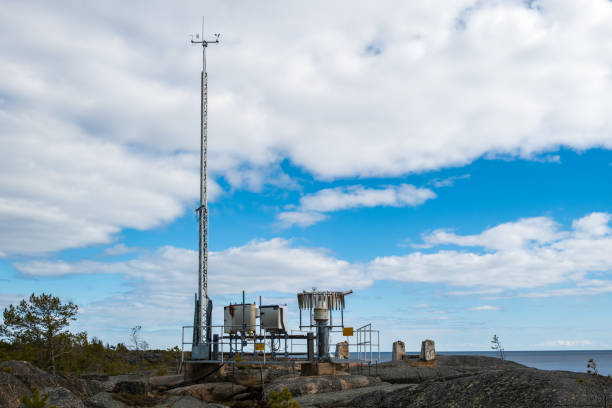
point(201, 330)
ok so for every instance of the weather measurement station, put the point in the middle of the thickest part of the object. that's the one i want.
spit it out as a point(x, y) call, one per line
point(253, 333)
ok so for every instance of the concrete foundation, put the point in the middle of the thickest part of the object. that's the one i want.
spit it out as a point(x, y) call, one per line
point(310, 369)
point(197, 371)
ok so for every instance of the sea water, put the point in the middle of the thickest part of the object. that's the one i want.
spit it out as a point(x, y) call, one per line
point(544, 360)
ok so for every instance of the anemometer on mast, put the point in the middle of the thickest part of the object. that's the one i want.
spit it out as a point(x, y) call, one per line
point(203, 305)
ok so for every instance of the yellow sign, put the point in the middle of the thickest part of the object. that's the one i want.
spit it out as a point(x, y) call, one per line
point(260, 346)
point(347, 331)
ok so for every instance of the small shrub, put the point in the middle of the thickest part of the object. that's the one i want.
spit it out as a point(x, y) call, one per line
point(596, 385)
point(497, 346)
point(36, 401)
point(282, 399)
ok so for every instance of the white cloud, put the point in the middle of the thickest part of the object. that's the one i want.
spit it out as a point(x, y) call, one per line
point(566, 343)
point(594, 225)
point(90, 134)
point(162, 282)
point(62, 188)
point(120, 249)
point(529, 259)
point(529, 231)
point(530, 253)
point(7, 299)
point(312, 206)
point(449, 181)
point(485, 308)
point(300, 218)
point(256, 266)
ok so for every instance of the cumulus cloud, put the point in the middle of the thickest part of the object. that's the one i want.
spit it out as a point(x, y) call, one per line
point(62, 188)
point(257, 264)
point(529, 253)
point(96, 139)
point(554, 262)
point(529, 231)
point(163, 282)
point(312, 206)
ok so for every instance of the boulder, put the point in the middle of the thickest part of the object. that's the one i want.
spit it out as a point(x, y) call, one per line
point(342, 350)
point(428, 350)
point(210, 392)
point(21, 368)
point(95, 376)
point(136, 386)
point(12, 389)
point(398, 351)
point(103, 400)
point(299, 386)
point(61, 397)
point(186, 401)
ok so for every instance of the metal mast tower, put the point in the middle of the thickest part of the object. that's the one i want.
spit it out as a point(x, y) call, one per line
point(203, 305)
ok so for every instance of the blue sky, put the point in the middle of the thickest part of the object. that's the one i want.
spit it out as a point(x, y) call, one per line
point(456, 176)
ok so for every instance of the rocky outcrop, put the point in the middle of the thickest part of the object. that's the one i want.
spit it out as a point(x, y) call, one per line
point(33, 376)
point(209, 392)
point(445, 367)
point(60, 397)
point(495, 387)
point(163, 382)
point(138, 386)
point(186, 401)
point(299, 386)
point(251, 375)
point(345, 398)
point(11, 390)
point(103, 400)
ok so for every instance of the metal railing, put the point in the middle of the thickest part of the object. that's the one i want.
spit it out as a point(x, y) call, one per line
point(364, 343)
point(230, 346)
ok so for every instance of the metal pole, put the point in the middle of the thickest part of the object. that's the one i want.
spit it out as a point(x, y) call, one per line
point(202, 315)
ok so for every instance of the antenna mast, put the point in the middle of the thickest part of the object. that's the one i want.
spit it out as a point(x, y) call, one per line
point(203, 305)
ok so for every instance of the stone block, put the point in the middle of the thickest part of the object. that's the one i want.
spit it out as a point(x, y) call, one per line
point(398, 351)
point(428, 350)
point(342, 350)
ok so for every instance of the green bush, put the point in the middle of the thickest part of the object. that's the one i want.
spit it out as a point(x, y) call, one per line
point(282, 399)
point(36, 401)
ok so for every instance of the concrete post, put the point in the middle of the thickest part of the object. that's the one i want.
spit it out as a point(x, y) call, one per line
point(310, 345)
point(428, 350)
point(398, 351)
point(342, 350)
